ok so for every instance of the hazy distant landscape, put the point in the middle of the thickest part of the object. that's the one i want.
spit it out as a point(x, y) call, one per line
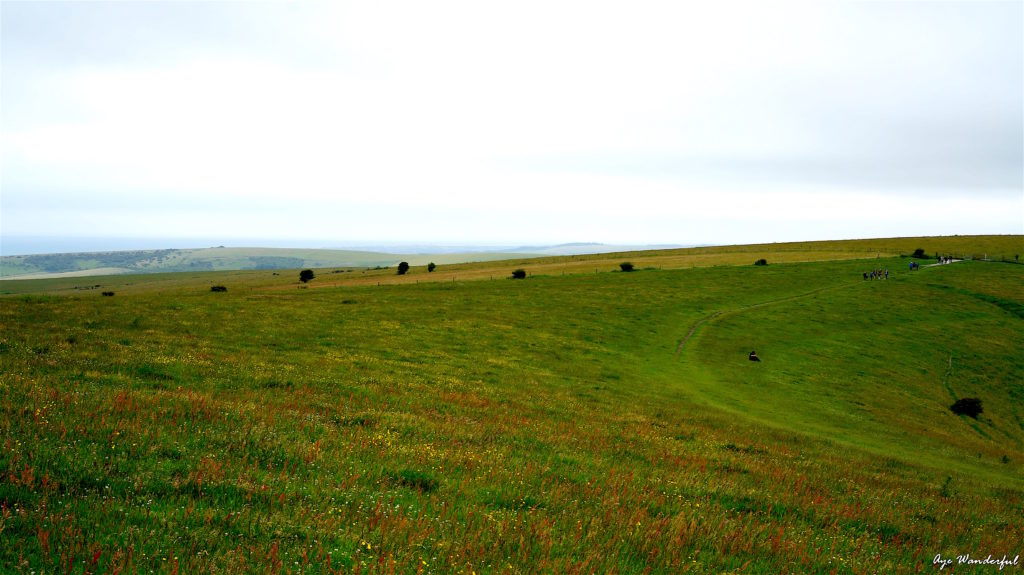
point(226, 258)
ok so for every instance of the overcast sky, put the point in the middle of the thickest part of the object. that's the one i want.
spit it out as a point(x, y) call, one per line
point(512, 122)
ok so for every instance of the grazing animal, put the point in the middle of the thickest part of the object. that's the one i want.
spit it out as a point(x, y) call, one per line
point(753, 356)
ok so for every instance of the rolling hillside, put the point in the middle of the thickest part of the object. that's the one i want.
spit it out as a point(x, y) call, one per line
point(564, 258)
point(577, 423)
point(214, 259)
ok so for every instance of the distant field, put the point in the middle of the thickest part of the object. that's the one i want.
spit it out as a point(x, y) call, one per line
point(232, 259)
point(213, 259)
point(579, 423)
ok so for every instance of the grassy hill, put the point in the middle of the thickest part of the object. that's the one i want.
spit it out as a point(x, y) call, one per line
point(585, 422)
point(213, 259)
point(545, 259)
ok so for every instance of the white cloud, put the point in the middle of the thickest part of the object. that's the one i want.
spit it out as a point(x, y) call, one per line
point(834, 118)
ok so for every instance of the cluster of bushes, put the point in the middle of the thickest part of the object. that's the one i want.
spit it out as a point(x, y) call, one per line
point(218, 288)
point(71, 262)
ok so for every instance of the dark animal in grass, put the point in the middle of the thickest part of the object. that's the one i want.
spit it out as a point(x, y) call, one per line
point(753, 356)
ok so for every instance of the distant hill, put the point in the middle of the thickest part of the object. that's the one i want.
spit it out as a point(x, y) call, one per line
point(1007, 248)
point(39, 266)
point(589, 248)
point(215, 259)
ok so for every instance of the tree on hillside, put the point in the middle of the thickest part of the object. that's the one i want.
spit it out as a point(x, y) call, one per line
point(626, 266)
point(919, 253)
point(305, 275)
point(402, 268)
point(519, 274)
point(431, 266)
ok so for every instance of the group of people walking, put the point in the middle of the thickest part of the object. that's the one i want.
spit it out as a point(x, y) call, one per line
point(878, 274)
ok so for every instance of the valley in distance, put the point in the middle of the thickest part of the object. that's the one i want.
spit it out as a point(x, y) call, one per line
point(516, 412)
point(36, 258)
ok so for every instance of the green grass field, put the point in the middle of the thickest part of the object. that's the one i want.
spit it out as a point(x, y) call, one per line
point(581, 423)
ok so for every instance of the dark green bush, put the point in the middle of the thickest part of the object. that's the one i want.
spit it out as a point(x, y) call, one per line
point(919, 253)
point(431, 266)
point(218, 288)
point(402, 268)
point(969, 406)
point(519, 274)
point(306, 275)
point(626, 266)
point(761, 262)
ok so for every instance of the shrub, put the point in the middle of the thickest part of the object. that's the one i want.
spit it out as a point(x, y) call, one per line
point(761, 262)
point(519, 274)
point(969, 406)
point(218, 288)
point(919, 253)
point(626, 266)
point(402, 268)
point(306, 275)
point(431, 266)
point(108, 293)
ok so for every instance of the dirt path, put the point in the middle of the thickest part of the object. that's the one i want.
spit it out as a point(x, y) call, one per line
point(942, 264)
point(693, 329)
point(719, 314)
